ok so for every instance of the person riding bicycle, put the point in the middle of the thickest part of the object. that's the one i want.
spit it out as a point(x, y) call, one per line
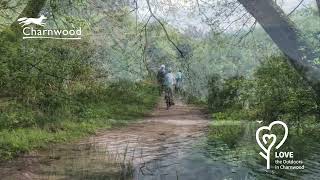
point(169, 81)
point(160, 78)
point(178, 86)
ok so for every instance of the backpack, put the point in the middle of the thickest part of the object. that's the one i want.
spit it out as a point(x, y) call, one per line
point(160, 76)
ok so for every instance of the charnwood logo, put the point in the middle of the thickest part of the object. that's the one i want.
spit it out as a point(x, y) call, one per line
point(32, 32)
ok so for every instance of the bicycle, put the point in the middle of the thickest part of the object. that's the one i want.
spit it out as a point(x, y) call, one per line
point(168, 98)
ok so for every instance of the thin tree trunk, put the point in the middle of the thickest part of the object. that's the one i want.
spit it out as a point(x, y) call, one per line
point(287, 37)
point(318, 4)
point(317, 110)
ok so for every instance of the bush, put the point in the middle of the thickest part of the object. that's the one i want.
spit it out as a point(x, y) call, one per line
point(16, 115)
point(224, 94)
point(228, 133)
point(281, 92)
point(276, 92)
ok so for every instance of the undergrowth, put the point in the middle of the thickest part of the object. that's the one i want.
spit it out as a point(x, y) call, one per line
point(27, 127)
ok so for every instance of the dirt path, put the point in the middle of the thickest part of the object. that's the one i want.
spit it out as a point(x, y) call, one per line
point(144, 147)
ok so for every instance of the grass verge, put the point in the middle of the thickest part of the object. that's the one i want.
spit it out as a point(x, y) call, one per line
point(83, 115)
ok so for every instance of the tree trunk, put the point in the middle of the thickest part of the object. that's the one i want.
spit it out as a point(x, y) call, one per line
point(287, 37)
point(318, 4)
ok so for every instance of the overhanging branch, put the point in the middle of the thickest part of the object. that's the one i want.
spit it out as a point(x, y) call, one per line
point(164, 28)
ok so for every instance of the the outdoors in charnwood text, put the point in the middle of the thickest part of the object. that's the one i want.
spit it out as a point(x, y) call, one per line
point(159, 89)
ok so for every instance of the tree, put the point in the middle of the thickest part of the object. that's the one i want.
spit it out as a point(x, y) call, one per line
point(281, 92)
point(287, 37)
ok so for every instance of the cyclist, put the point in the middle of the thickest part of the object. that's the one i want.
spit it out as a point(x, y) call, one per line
point(178, 86)
point(160, 77)
point(169, 81)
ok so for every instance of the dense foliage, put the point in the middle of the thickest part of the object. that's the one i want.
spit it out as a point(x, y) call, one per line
point(276, 92)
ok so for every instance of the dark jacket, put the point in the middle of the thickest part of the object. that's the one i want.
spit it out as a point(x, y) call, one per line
point(160, 76)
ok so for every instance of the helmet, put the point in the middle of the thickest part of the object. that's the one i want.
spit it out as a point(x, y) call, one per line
point(162, 66)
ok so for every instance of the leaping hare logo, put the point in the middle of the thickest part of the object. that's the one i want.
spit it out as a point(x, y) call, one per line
point(270, 137)
point(37, 21)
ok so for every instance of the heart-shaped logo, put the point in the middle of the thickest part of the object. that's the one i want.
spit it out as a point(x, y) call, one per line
point(270, 135)
point(272, 138)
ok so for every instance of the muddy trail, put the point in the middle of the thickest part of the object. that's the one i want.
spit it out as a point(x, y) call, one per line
point(153, 148)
